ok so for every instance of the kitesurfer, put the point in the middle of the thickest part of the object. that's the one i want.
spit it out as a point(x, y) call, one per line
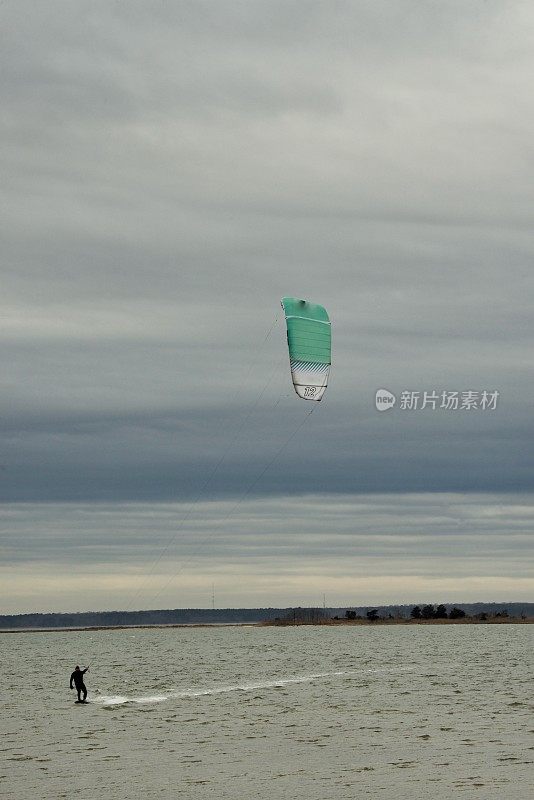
point(77, 677)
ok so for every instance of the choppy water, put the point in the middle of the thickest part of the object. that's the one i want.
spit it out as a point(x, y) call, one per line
point(305, 713)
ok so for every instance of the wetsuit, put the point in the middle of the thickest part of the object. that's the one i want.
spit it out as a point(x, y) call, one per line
point(77, 677)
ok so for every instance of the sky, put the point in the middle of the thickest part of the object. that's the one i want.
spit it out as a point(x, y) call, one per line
point(170, 171)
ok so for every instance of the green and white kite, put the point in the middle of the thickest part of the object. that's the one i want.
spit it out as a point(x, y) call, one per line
point(309, 342)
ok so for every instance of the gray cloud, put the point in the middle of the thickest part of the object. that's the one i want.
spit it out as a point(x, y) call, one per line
point(171, 170)
point(278, 551)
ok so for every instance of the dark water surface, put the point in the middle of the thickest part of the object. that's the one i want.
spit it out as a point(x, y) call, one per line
point(305, 713)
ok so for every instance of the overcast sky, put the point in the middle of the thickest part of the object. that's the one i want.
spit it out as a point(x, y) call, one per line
point(169, 172)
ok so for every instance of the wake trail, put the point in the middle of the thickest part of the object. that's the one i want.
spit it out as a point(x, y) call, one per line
point(120, 700)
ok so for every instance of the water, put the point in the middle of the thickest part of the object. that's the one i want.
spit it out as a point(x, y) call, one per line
point(306, 713)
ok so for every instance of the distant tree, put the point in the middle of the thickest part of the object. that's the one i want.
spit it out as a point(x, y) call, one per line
point(483, 616)
point(441, 612)
point(350, 614)
point(372, 615)
point(428, 612)
point(456, 613)
point(415, 613)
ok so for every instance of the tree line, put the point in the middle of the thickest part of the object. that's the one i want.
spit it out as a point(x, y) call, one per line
point(417, 612)
point(429, 612)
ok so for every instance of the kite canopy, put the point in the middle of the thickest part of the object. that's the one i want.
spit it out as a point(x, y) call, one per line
point(309, 342)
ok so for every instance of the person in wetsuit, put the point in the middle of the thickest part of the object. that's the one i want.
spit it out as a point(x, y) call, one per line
point(77, 677)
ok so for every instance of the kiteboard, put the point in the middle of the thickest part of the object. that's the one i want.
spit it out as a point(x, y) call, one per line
point(82, 702)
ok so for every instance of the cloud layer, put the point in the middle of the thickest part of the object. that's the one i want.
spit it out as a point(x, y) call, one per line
point(171, 170)
point(270, 552)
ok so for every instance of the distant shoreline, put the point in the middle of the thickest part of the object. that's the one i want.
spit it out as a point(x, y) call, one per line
point(277, 624)
point(385, 622)
point(132, 627)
